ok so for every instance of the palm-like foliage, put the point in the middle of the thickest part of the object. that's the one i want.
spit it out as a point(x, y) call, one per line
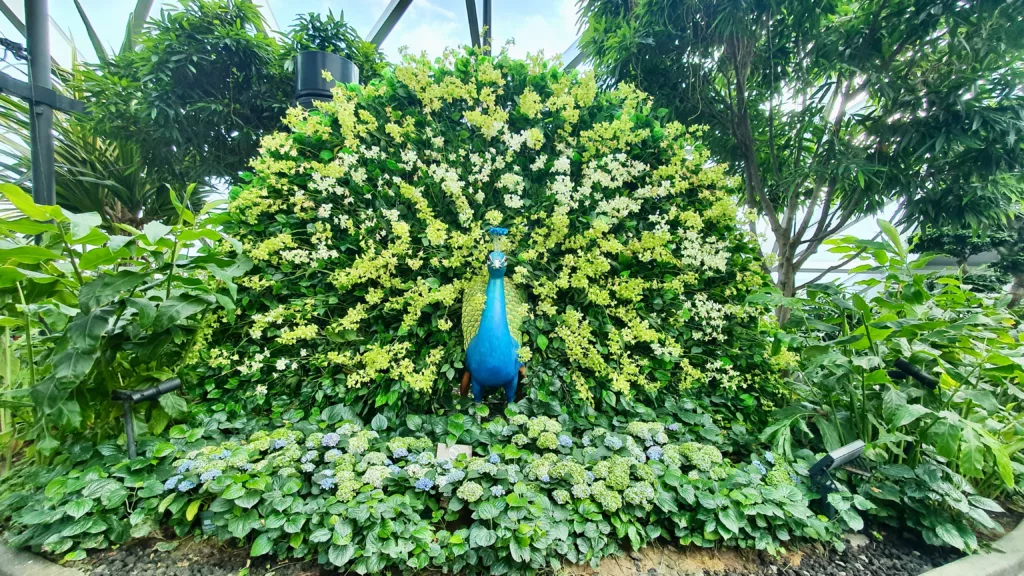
point(92, 174)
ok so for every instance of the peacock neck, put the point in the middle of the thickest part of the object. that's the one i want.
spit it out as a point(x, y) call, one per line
point(494, 317)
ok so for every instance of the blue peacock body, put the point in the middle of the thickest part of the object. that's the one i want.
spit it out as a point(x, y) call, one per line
point(492, 333)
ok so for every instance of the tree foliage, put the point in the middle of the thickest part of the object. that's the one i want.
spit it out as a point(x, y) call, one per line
point(831, 109)
point(204, 83)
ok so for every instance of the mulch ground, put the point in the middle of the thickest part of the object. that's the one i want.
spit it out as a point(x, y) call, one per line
point(892, 555)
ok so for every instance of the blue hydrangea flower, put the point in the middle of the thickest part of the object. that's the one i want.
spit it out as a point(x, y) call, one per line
point(612, 443)
point(674, 427)
point(400, 453)
point(308, 467)
point(444, 464)
point(278, 444)
point(327, 483)
point(172, 482)
point(456, 475)
point(760, 467)
point(328, 472)
point(769, 457)
point(545, 478)
point(586, 440)
point(395, 470)
point(222, 455)
point(497, 491)
point(186, 485)
point(794, 478)
point(330, 439)
point(388, 462)
point(508, 431)
point(310, 455)
point(332, 455)
point(590, 476)
point(494, 459)
point(565, 441)
point(423, 459)
point(209, 475)
point(424, 484)
point(185, 466)
point(654, 452)
point(245, 466)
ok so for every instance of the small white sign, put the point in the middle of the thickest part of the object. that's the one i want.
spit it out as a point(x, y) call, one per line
point(452, 452)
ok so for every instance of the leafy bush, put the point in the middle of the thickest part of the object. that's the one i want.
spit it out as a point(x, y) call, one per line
point(535, 493)
point(934, 448)
point(368, 219)
point(86, 312)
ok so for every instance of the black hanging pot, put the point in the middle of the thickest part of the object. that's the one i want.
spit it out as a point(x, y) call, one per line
point(309, 75)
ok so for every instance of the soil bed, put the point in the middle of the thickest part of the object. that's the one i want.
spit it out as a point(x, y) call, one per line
point(894, 555)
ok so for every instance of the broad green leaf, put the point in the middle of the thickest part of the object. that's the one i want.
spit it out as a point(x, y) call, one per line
point(948, 534)
point(945, 436)
point(23, 202)
point(379, 422)
point(85, 331)
point(12, 253)
point(542, 342)
point(78, 507)
point(81, 225)
point(154, 231)
point(261, 546)
point(972, 454)
point(174, 405)
point(105, 288)
point(192, 509)
point(177, 308)
point(233, 491)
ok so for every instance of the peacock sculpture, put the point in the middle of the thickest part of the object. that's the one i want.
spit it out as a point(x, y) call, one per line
point(491, 319)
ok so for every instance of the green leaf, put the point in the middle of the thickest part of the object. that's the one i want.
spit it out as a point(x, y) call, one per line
point(174, 405)
point(945, 436)
point(177, 308)
point(379, 422)
point(75, 556)
point(261, 546)
point(25, 204)
point(154, 231)
point(972, 454)
point(233, 491)
point(78, 507)
point(731, 518)
point(948, 533)
point(105, 288)
point(894, 238)
point(163, 449)
point(542, 342)
point(340, 555)
point(192, 510)
point(490, 509)
point(82, 225)
point(481, 537)
point(413, 422)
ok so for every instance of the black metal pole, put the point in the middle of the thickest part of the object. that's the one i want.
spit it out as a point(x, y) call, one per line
point(37, 35)
point(487, 27)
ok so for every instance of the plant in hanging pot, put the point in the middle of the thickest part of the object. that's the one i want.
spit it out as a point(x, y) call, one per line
point(328, 43)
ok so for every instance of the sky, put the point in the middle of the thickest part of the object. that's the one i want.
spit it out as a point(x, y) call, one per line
point(428, 25)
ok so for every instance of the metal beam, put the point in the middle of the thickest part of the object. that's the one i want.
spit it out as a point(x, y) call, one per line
point(51, 98)
point(488, 35)
point(37, 28)
point(386, 23)
point(573, 56)
point(474, 26)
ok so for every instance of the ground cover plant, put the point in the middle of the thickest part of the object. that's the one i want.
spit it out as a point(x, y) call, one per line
point(367, 221)
point(925, 441)
point(536, 492)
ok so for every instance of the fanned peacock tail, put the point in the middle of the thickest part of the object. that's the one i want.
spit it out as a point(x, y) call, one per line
point(474, 298)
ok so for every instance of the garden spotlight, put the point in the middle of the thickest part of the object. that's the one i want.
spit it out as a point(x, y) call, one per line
point(821, 480)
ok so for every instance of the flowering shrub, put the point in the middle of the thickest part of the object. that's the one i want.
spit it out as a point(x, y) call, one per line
point(367, 221)
point(371, 499)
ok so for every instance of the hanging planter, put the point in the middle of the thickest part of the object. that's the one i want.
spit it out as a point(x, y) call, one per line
point(310, 84)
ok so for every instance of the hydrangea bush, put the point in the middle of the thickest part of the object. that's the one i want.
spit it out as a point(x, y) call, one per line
point(367, 221)
point(373, 498)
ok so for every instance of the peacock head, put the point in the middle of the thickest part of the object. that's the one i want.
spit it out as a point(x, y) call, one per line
point(496, 260)
point(496, 264)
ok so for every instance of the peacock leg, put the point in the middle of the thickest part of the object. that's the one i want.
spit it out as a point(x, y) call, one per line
point(510, 389)
point(464, 387)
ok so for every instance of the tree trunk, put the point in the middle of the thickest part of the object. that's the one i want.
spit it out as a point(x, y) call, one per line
point(1017, 290)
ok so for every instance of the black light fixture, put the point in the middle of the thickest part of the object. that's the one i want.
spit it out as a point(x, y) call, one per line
point(821, 480)
point(310, 84)
point(130, 397)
